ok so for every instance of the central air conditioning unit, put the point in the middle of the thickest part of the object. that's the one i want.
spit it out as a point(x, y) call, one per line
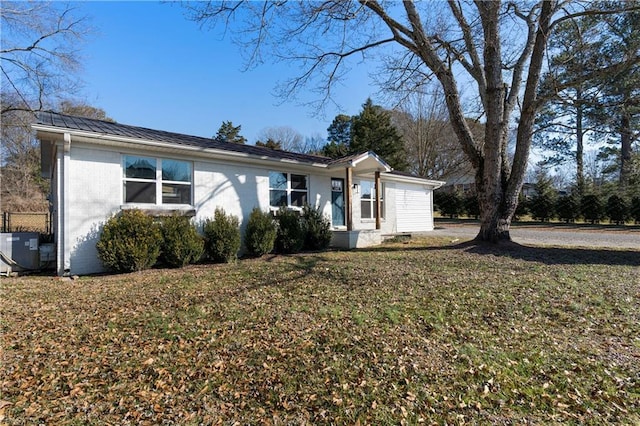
point(19, 251)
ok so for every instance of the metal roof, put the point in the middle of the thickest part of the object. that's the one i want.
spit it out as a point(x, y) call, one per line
point(101, 127)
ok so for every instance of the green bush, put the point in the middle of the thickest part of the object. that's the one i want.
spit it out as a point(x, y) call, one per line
point(317, 229)
point(472, 206)
point(592, 208)
point(522, 209)
point(260, 235)
point(290, 237)
point(181, 243)
point(634, 209)
point(568, 208)
point(130, 241)
point(449, 203)
point(222, 237)
point(617, 209)
point(543, 202)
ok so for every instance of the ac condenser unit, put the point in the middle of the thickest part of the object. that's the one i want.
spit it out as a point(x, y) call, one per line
point(19, 251)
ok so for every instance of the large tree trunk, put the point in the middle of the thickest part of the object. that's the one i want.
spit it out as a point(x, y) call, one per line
point(625, 150)
point(501, 184)
point(495, 221)
point(579, 143)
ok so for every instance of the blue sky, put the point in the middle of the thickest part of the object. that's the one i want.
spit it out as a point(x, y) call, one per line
point(147, 65)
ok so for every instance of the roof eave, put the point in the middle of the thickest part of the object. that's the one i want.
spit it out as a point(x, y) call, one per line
point(433, 184)
point(107, 139)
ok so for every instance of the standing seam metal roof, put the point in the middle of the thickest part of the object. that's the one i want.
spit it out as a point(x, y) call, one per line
point(50, 118)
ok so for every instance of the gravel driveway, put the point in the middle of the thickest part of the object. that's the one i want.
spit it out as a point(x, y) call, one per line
point(570, 235)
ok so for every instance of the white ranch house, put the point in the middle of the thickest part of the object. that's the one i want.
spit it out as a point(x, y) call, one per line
point(98, 168)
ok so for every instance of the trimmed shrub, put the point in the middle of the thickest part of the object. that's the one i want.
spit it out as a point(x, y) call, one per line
point(317, 229)
point(130, 241)
point(260, 235)
point(472, 206)
point(450, 203)
point(522, 209)
point(543, 203)
point(634, 209)
point(592, 208)
point(290, 237)
point(568, 208)
point(181, 243)
point(617, 209)
point(222, 237)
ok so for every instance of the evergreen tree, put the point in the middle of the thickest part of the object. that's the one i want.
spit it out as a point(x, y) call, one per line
point(617, 209)
point(568, 208)
point(543, 202)
point(634, 209)
point(619, 109)
point(564, 121)
point(335, 150)
point(270, 143)
point(371, 130)
point(229, 133)
point(339, 137)
point(592, 208)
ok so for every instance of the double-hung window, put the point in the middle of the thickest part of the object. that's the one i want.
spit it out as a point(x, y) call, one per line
point(149, 180)
point(368, 205)
point(288, 189)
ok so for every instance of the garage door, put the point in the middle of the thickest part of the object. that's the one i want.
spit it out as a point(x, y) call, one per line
point(413, 208)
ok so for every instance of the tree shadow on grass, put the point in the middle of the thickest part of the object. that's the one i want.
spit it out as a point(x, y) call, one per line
point(544, 254)
point(290, 273)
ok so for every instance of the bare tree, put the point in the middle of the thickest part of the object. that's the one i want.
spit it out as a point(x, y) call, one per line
point(431, 145)
point(39, 53)
point(499, 47)
point(22, 188)
point(289, 138)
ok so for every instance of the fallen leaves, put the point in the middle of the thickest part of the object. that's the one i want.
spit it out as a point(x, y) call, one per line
point(368, 337)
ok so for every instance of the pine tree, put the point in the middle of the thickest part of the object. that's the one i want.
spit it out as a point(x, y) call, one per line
point(543, 202)
point(371, 130)
point(229, 133)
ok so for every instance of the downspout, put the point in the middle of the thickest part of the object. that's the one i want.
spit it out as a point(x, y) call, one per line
point(62, 189)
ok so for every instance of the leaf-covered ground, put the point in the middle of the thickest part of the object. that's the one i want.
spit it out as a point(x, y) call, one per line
point(405, 333)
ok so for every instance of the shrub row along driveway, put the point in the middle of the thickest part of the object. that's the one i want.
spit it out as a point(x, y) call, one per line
point(551, 234)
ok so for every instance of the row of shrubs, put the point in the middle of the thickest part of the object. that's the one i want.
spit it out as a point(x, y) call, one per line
point(133, 240)
point(593, 208)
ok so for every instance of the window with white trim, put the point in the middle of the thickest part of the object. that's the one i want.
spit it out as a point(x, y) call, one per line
point(368, 205)
point(288, 190)
point(150, 180)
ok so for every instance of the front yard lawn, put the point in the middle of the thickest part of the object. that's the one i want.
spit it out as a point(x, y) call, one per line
point(403, 333)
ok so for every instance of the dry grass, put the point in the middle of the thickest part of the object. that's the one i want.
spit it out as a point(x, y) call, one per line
point(405, 333)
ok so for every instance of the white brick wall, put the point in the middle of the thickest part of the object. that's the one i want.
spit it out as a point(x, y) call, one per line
point(95, 193)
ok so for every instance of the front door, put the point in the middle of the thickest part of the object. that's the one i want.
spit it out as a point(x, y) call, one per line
point(337, 202)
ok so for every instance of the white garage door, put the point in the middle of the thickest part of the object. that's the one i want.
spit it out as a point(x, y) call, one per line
point(413, 208)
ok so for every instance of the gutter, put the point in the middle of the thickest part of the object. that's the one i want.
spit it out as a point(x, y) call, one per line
point(216, 153)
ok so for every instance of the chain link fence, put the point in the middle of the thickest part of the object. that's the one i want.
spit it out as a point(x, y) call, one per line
point(26, 222)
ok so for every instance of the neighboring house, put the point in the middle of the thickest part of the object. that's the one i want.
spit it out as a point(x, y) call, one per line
point(98, 168)
point(463, 183)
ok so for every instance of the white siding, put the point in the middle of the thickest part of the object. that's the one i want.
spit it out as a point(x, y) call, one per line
point(413, 208)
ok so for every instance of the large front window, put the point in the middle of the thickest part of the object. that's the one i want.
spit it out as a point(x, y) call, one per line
point(149, 180)
point(288, 190)
point(368, 205)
